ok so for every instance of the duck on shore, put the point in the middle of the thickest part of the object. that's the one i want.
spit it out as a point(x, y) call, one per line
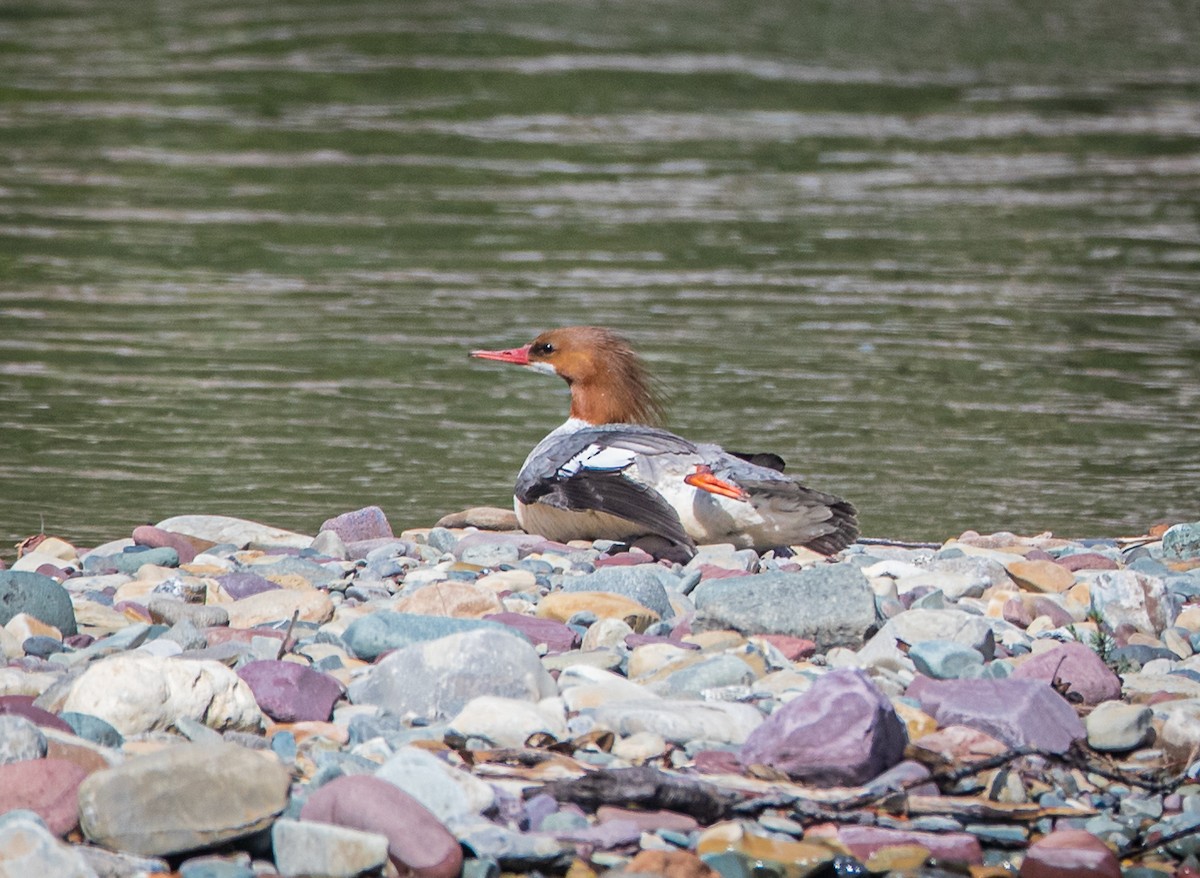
point(611, 472)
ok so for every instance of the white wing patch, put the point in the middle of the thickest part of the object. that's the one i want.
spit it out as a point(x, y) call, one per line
point(597, 458)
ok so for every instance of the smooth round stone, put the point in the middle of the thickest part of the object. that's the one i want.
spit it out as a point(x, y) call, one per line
point(946, 659)
point(646, 584)
point(418, 844)
point(183, 798)
point(710, 673)
point(39, 596)
point(92, 728)
point(370, 636)
point(20, 739)
point(41, 646)
point(157, 538)
point(1117, 727)
point(1041, 576)
point(308, 605)
point(461, 600)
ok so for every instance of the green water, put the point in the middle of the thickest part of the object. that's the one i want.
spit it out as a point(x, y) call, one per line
point(943, 257)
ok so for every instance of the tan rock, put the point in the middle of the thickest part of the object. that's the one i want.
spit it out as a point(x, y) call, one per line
point(895, 858)
point(1189, 617)
point(669, 864)
point(655, 657)
point(22, 626)
point(137, 590)
point(508, 580)
point(563, 605)
point(482, 517)
point(1043, 576)
point(716, 641)
point(97, 619)
point(917, 721)
point(312, 605)
point(462, 600)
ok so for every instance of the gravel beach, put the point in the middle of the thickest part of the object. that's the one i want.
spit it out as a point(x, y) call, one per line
point(210, 697)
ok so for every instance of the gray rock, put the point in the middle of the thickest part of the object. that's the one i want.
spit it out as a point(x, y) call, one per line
point(92, 728)
point(487, 554)
point(711, 673)
point(28, 848)
point(184, 798)
point(187, 635)
point(437, 678)
point(111, 864)
point(20, 739)
point(371, 636)
point(830, 604)
point(1127, 597)
point(645, 583)
point(841, 731)
point(40, 596)
point(304, 849)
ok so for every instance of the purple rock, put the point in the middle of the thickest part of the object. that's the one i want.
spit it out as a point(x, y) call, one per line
point(48, 787)
point(1082, 670)
point(22, 705)
point(605, 836)
point(959, 847)
point(368, 523)
point(1021, 713)
point(842, 731)
point(1044, 606)
point(538, 808)
point(418, 844)
point(288, 692)
point(1087, 561)
point(243, 585)
point(157, 538)
point(557, 636)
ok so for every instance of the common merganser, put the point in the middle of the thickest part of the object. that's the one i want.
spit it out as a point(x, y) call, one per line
point(612, 472)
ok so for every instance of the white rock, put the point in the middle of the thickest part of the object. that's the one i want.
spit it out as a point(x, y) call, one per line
point(640, 747)
point(606, 633)
point(681, 721)
point(304, 849)
point(141, 693)
point(238, 531)
point(1179, 735)
point(1123, 597)
point(1117, 727)
point(915, 626)
point(450, 793)
point(509, 722)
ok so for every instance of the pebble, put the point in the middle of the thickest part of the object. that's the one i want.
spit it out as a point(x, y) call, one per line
point(435, 701)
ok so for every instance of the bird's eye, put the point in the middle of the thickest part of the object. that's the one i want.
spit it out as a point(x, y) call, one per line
point(544, 349)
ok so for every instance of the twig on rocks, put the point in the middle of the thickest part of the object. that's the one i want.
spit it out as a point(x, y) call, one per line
point(898, 544)
point(287, 636)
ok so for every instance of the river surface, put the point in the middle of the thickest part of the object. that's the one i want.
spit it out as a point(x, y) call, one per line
point(943, 257)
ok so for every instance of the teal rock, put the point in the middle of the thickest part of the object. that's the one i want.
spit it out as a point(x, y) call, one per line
point(39, 596)
point(946, 659)
point(92, 728)
point(645, 583)
point(1182, 542)
point(217, 867)
point(832, 605)
point(373, 635)
point(131, 560)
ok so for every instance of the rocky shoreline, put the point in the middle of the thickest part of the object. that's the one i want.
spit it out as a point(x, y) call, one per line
point(217, 698)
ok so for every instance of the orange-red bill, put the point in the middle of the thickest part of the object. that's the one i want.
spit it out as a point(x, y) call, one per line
point(704, 479)
point(518, 356)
